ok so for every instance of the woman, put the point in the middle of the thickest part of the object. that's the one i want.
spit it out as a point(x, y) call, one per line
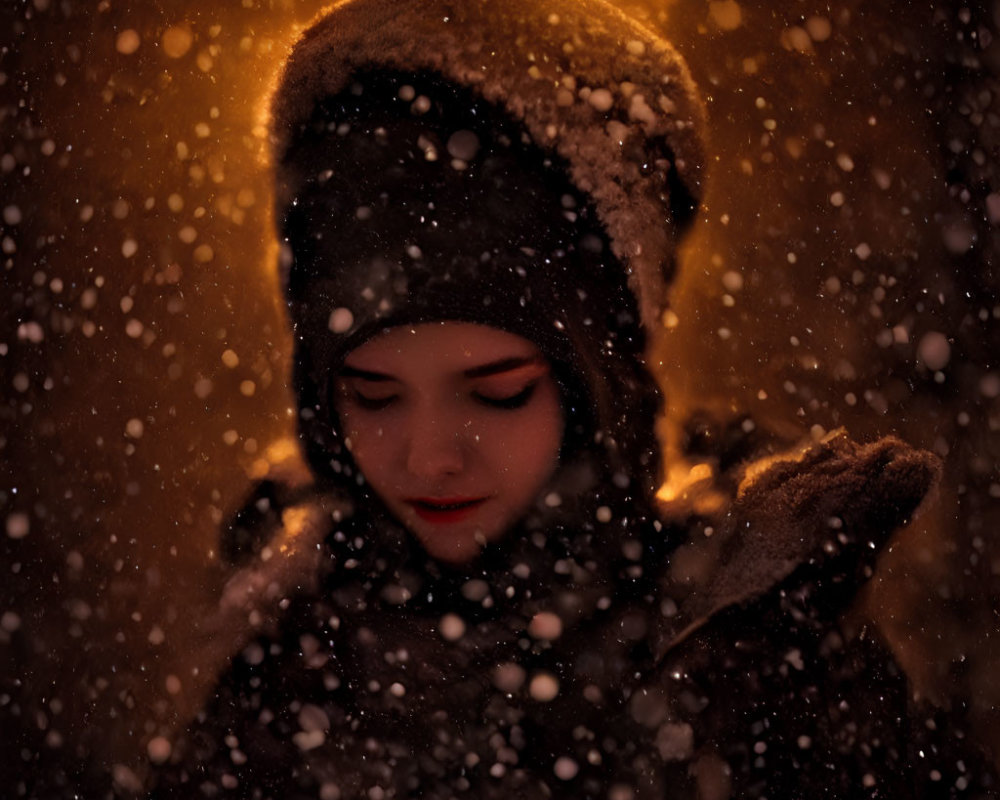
point(479, 205)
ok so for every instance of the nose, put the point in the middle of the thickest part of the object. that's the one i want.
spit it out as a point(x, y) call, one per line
point(436, 449)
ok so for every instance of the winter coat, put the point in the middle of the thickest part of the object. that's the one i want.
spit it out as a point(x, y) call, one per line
point(683, 671)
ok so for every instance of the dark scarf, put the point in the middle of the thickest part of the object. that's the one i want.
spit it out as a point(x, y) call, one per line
point(420, 672)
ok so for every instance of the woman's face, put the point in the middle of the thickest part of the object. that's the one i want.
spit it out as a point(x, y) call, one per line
point(456, 426)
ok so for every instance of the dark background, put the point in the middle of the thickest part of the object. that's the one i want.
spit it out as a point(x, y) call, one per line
point(841, 273)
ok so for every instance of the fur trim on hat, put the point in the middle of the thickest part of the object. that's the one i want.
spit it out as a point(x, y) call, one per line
point(608, 96)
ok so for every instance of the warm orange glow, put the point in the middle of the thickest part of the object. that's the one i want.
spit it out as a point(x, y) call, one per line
point(683, 479)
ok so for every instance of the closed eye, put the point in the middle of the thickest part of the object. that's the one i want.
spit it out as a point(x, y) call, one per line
point(517, 400)
point(372, 403)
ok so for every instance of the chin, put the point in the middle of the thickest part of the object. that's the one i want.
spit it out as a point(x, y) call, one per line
point(453, 547)
point(452, 552)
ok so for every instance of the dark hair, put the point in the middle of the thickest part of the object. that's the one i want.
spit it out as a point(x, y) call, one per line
point(421, 201)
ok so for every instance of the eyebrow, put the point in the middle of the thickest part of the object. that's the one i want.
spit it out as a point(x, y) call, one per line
point(503, 365)
point(482, 371)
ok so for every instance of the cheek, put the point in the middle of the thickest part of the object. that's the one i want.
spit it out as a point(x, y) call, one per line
point(544, 433)
point(526, 448)
point(371, 445)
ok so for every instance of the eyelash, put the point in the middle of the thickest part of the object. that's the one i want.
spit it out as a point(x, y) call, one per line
point(509, 403)
point(514, 401)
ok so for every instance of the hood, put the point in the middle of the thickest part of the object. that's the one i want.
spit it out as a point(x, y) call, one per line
point(529, 167)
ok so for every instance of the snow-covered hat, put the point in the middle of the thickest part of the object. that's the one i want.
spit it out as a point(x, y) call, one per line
point(608, 97)
point(525, 165)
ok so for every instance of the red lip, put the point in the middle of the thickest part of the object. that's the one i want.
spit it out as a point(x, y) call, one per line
point(442, 510)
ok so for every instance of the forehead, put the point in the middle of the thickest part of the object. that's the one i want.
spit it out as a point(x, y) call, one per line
point(442, 345)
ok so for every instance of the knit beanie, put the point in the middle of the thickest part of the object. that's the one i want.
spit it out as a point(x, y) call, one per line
point(614, 101)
